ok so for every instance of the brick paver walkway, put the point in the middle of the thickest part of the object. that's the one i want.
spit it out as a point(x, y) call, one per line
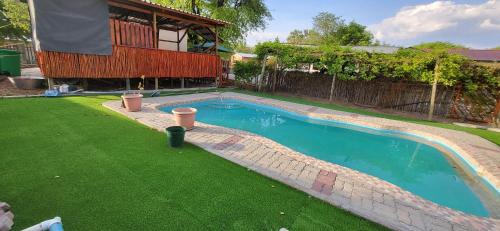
point(362, 194)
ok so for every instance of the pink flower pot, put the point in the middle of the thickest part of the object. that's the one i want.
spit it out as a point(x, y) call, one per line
point(185, 117)
point(132, 102)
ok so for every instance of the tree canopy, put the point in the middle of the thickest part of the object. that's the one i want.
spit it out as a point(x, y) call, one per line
point(333, 30)
point(244, 15)
point(438, 46)
point(14, 20)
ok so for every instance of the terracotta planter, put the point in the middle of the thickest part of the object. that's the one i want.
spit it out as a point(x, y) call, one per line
point(185, 117)
point(132, 102)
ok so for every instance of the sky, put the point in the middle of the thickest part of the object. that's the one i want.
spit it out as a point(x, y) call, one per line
point(472, 23)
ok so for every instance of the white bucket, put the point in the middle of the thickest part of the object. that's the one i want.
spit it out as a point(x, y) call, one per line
point(64, 88)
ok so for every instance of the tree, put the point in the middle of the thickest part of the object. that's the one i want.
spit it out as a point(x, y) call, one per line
point(14, 20)
point(244, 15)
point(329, 29)
point(354, 34)
point(327, 24)
point(304, 37)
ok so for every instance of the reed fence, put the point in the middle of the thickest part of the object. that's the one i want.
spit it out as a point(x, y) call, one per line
point(387, 93)
point(129, 62)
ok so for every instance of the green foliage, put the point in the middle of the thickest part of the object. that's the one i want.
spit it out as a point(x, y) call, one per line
point(14, 20)
point(243, 48)
point(304, 37)
point(331, 29)
point(438, 46)
point(327, 24)
point(406, 64)
point(245, 71)
point(288, 56)
point(244, 16)
point(354, 34)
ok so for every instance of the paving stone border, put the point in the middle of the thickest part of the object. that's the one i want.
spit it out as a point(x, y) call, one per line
point(362, 194)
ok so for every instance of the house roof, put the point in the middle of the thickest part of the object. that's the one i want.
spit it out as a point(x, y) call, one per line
point(210, 45)
point(182, 14)
point(478, 55)
point(168, 18)
point(246, 55)
point(377, 49)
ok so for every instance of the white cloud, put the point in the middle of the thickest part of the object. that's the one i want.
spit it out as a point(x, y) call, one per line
point(443, 20)
point(487, 24)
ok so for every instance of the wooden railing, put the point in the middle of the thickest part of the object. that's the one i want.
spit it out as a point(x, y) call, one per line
point(130, 34)
point(129, 62)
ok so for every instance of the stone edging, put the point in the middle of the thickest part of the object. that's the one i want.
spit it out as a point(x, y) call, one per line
point(354, 191)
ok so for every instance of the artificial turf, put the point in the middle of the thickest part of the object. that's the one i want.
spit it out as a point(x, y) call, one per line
point(98, 170)
point(489, 135)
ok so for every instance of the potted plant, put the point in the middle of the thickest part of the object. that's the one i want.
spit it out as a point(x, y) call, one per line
point(185, 117)
point(132, 101)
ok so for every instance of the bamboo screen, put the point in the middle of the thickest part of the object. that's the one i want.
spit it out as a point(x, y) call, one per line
point(129, 62)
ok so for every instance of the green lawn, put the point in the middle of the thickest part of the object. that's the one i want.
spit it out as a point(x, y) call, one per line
point(101, 171)
point(489, 135)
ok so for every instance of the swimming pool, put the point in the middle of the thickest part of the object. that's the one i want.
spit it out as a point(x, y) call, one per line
point(412, 165)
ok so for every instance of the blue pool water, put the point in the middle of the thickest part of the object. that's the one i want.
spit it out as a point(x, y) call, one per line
point(413, 166)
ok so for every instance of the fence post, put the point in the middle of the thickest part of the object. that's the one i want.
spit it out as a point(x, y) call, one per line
point(333, 86)
point(496, 113)
point(261, 78)
point(274, 76)
point(433, 92)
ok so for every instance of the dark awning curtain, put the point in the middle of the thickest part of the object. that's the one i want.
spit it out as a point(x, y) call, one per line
point(73, 26)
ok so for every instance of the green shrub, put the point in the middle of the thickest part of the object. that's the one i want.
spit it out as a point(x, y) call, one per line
point(245, 71)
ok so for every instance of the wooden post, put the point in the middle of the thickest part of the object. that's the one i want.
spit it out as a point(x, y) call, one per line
point(216, 40)
point(85, 84)
point(433, 93)
point(218, 77)
point(182, 82)
point(155, 31)
point(274, 76)
point(496, 113)
point(156, 83)
point(178, 40)
point(127, 84)
point(261, 77)
point(50, 83)
point(333, 86)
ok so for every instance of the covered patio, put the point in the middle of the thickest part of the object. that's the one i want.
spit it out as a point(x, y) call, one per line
point(146, 39)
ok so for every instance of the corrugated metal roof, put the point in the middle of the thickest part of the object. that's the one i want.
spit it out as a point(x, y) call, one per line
point(479, 55)
point(183, 11)
point(246, 55)
point(377, 49)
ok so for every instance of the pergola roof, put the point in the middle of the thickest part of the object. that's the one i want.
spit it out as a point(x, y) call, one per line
point(141, 11)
